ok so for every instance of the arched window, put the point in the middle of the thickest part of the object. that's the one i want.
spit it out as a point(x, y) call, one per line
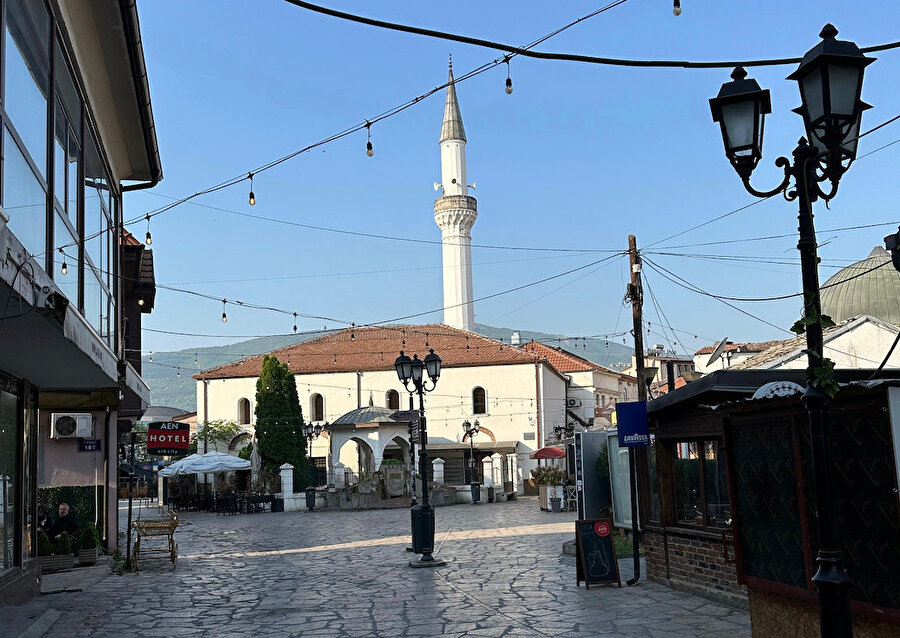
point(479, 401)
point(392, 400)
point(318, 407)
point(244, 412)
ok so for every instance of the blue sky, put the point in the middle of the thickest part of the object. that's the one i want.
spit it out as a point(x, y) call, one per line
point(578, 157)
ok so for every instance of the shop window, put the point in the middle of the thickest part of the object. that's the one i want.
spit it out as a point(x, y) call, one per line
point(24, 198)
point(392, 400)
point(654, 481)
point(701, 485)
point(479, 401)
point(318, 407)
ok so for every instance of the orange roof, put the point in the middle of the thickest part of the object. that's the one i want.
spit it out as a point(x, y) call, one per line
point(563, 360)
point(355, 349)
point(742, 347)
point(130, 240)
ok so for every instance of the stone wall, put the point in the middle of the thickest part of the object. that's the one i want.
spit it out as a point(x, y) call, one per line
point(696, 564)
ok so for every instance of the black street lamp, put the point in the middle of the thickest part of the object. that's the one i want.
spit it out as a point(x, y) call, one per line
point(470, 431)
point(311, 432)
point(422, 515)
point(830, 78)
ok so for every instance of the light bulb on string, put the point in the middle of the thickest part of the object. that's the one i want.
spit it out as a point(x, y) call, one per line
point(151, 356)
point(295, 323)
point(65, 268)
point(252, 196)
point(676, 9)
point(224, 316)
point(195, 359)
point(149, 239)
point(509, 88)
point(370, 151)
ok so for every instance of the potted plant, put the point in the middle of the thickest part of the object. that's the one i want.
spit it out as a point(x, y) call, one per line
point(549, 479)
point(89, 541)
point(54, 557)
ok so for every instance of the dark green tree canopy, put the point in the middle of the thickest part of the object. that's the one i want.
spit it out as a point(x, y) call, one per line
point(279, 421)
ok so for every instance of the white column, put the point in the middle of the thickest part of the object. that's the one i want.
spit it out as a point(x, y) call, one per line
point(287, 481)
point(438, 465)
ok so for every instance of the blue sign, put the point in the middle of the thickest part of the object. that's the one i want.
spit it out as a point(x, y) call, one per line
point(632, 424)
point(89, 445)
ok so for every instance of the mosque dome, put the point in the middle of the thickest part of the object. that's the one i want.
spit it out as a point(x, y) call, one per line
point(367, 414)
point(867, 287)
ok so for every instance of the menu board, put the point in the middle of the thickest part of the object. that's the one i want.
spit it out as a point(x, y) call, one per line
point(596, 555)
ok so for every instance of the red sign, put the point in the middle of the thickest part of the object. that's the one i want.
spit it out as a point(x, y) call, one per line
point(168, 437)
point(602, 529)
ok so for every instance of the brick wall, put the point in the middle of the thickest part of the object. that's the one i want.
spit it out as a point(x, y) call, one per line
point(696, 563)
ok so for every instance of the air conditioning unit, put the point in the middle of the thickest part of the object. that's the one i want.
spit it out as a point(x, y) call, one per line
point(71, 425)
point(573, 403)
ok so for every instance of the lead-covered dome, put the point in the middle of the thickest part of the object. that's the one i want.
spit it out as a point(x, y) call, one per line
point(867, 287)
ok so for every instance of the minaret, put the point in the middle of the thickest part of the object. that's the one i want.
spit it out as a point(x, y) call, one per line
point(455, 214)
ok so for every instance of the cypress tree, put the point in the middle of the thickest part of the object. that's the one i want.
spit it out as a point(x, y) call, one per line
point(279, 421)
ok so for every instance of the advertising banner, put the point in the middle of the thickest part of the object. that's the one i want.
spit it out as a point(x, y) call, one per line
point(166, 438)
point(631, 419)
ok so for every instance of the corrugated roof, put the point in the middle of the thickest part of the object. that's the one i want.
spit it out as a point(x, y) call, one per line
point(868, 287)
point(376, 348)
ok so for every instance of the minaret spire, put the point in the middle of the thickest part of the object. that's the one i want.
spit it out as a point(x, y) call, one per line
point(455, 214)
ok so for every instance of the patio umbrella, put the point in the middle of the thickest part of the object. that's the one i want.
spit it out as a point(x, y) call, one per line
point(177, 467)
point(549, 453)
point(216, 462)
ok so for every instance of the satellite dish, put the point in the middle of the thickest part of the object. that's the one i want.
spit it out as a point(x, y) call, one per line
point(717, 352)
point(437, 186)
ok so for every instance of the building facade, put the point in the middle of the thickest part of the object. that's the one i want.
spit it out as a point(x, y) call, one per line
point(76, 125)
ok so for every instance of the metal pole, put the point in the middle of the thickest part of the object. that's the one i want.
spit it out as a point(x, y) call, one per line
point(426, 509)
point(637, 298)
point(130, 501)
point(412, 458)
point(831, 579)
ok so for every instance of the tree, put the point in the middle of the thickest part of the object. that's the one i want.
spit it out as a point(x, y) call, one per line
point(279, 421)
point(212, 432)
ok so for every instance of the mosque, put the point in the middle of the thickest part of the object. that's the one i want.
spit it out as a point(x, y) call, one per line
point(524, 396)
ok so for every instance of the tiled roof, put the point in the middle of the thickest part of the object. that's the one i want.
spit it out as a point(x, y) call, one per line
point(740, 347)
point(130, 240)
point(366, 349)
point(563, 360)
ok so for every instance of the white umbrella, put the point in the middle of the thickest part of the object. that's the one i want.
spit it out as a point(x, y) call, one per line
point(215, 462)
point(178, 466)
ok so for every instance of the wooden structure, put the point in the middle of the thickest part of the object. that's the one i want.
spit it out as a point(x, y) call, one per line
point(161, 533)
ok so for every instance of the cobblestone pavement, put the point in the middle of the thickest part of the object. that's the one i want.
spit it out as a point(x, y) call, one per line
point(331, 574)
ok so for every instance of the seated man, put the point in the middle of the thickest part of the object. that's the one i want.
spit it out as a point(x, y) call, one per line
point(65, 523)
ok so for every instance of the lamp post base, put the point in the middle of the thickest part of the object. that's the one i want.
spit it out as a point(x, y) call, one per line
point(434, 562)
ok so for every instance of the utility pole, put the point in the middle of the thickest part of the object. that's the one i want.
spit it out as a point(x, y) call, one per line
point(637, 458)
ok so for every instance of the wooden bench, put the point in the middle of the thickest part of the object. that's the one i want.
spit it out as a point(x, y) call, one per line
point(161, 530)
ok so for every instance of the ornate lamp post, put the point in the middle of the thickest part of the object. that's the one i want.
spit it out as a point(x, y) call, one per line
point(311, 432)
point(830, 78)
point(422, 515)
point(470, 431)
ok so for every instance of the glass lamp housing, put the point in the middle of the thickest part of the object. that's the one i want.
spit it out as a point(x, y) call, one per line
point(740, 108)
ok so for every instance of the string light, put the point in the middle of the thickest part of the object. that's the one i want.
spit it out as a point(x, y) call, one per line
point(224, 316)
point(149, 239)
point(295, 323)
point(65, 268)
point(677, 8)
point(252, 196)
point(370, 151)
point(195, 359)
point(509, 88)
point(151, 356)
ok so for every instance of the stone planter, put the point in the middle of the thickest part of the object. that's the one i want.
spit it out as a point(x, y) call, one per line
point(87, 556)
point(55, 563)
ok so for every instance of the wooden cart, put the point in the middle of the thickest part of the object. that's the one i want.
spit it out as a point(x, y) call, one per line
point(160, 532)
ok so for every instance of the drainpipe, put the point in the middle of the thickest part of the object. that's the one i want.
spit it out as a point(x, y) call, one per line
point(106, 446)
point(359, 375)
point(132, 29)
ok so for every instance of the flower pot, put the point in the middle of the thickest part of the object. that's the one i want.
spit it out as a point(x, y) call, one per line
point(55, 563)
point(87, 556)
point(556, 505)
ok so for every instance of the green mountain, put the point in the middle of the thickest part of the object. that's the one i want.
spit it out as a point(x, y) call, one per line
point(169, 373)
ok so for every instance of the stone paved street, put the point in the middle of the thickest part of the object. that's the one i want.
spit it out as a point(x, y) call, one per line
point(330, 574)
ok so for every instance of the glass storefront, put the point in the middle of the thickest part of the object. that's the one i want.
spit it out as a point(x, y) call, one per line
point(18, 427)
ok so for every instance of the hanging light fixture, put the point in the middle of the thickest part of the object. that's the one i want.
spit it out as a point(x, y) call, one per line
point(370, 151)
point(252, 198)
point(148, 240)
point(295, 323)
point(65, 268)
point(509, 88)
point(224, 316)
point(677, 8)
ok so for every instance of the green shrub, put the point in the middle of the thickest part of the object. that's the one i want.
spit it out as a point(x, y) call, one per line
point(117, 555)
point(88, 537)
point(391, 462)
point(548, 475)
point(43, 544)
point(63, 544)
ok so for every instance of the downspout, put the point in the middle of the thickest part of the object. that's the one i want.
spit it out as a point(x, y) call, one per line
point(106, 479)
point(359, 375)
point(132, 29)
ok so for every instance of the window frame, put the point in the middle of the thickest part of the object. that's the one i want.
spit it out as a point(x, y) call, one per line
point(316, 415)
point(391, 394)
point(669, 448)
point(484, 401)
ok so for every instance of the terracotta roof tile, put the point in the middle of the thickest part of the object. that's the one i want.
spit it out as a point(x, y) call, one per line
point(563, 360)
point(743, 347)
point(355, 349)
